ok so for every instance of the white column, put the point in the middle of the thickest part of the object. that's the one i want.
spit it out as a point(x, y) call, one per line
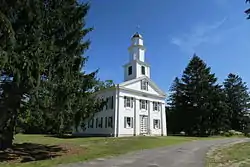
point(135, 116)
point(149, 118)
point(163, 120)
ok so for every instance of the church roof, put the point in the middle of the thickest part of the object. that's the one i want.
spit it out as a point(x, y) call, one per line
point(137, 35)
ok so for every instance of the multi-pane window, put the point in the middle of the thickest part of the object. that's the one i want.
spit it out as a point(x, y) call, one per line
point(128, 101)
point(109, 103)
point(96, 122)
point(156, 106)
point(106, 122)
point(100, 123)
point(110, 122)
point(112, 102)
point(156, 124)
point(91, 123)
point(128, 122)
point(142, 70)
point(144, 85)
point(144, 104)
point(129, 70)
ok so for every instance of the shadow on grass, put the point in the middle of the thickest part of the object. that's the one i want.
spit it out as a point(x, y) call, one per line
point(76, 136)
point(26, 152)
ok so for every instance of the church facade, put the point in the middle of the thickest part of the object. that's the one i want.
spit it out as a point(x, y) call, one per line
point(135, 106)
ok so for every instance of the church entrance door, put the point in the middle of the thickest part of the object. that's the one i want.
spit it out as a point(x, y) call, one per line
point(143, 124)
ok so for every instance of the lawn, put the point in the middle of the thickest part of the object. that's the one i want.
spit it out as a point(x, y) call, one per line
point(46, 151)
point(233, 156)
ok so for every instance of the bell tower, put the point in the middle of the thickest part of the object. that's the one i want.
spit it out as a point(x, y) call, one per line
point(136, 67)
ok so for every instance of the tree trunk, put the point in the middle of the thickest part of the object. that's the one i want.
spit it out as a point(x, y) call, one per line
point(6, 140)
point(7, 128)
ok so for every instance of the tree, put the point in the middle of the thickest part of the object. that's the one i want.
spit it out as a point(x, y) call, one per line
point(238, 100)
point(198, 100)
point(176, 119)
point(248, 10)
point(24, 58)
point(71, 89)
point(43, 71)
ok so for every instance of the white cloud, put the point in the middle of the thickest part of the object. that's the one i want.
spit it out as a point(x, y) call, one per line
point(199, 34)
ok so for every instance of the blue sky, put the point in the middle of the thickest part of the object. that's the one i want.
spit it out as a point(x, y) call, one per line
point(216, 30)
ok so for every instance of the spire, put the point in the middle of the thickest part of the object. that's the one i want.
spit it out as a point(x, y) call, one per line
point(137, 34)
point(136, 67)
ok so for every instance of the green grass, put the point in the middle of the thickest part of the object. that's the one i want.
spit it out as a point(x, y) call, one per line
point(235, 155)
point(90, 148)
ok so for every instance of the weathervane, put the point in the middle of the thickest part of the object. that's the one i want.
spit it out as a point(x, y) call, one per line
point(137, 28)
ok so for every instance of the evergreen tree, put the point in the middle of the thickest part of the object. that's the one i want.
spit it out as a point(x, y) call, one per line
point(248, 10)
point(72, 98)
point(43, 67)
point(176, 119)
point(238, 100)
point(199, 103)
point(24, 58)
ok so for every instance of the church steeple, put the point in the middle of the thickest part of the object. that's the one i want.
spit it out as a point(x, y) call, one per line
point(137, 67)
point(137, 49)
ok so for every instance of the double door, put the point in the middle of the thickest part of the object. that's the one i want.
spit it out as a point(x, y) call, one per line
point(143, 124)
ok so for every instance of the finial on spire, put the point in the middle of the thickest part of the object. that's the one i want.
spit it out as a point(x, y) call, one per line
point(137, 28)
point(137, 34)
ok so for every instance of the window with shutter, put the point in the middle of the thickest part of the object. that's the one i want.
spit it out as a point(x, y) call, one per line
point(100, 123)
point(157, 124)
point(96, 122)
point(110, 122)
point(112, 102)
point(143, 104)
point(156, 106)
point(128, 122)
point(128, 102)
point(92, 123)
point(106, 122)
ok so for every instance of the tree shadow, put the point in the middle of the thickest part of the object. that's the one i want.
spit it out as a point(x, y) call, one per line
point(26, 152)
point(77, 136)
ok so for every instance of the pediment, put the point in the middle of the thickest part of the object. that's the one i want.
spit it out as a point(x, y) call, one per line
point(135, 84)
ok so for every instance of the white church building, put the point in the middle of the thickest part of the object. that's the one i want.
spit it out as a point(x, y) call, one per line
point(135, 106)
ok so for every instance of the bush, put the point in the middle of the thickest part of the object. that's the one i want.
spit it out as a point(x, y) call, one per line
point(247, 134)
point(232, 133)
point(227, 134)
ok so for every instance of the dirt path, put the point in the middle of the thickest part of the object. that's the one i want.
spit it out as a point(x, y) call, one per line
point(190, 154)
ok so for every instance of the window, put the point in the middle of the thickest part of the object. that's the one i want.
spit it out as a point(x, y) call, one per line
point(100, 123)
point(157, 124)
point(129, 70)
point(91, 123)
point(106, 122)
point(106, 105)
point(128, 101)
point(144, 85)
point(128, 122)
point(109, 103)
point(96, 122)
point(142, 70)
point(144, 104)
point(112, 102)
point(156, 106)
point(110, 122)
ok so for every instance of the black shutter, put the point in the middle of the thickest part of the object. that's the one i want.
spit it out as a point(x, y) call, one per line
point(112, 102)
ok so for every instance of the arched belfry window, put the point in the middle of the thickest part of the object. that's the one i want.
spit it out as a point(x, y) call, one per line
point(142, 70)
point(129, 70)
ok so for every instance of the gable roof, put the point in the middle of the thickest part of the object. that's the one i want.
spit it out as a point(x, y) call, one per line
point(150, 82)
